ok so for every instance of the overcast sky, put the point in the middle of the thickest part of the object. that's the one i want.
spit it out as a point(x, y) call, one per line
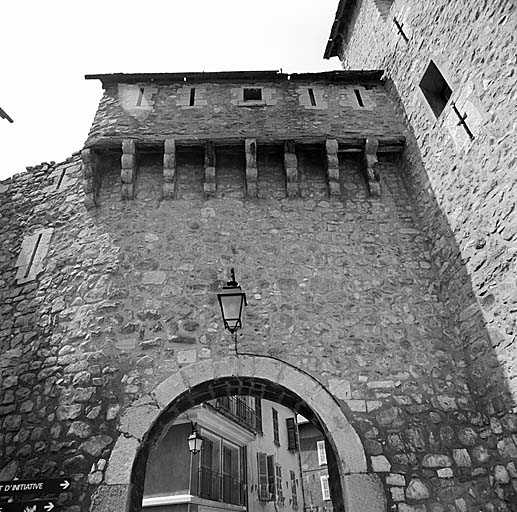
point(49, 45)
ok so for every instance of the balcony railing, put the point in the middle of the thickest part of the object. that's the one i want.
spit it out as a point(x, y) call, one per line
point(238, 410)
point(218, 487)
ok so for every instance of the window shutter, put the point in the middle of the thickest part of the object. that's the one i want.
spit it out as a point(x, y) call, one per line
point(292, 438)
point(322, 454)
point(258, 414)
point(271, 476)
point(325, 489)
point(276, 435)
point(263, 476)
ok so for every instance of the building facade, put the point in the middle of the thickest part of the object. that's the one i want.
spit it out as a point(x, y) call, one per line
point(378, 269)
point(246, 461)
point(316, 489)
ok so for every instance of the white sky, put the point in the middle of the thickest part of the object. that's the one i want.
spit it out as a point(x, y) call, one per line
point(47, 46)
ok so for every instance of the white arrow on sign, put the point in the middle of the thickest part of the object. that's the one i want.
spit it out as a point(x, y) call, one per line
point(64, 485)
point(49, 507)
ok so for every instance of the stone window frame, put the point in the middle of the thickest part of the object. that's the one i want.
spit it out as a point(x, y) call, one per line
point(435, 88)
point(252, 103)
point(33, 250)
point(465, 101)
point(183, 95)
point(268, 95)
point(348, 97)
point(320, 97)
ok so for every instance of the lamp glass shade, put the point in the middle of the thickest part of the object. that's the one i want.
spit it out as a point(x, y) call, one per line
point(195, 441)
point(231, 300)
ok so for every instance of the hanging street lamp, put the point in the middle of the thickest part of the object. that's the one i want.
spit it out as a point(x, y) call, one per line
point(195, 441)
point(232, 299)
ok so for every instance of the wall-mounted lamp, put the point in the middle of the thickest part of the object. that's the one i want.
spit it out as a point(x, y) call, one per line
point(232, 299)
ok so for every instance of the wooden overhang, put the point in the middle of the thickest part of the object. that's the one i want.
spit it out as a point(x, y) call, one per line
point(339, 76)
point(4, 115)
point(339, 27)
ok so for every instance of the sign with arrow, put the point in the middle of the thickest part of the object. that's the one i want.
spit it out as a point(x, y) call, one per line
point(35, 486)
point(28, 506)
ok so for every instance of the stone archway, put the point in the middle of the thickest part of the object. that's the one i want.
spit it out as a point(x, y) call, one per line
point(143, 421)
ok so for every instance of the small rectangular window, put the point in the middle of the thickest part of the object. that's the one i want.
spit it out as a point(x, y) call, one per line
point(325, 489)
point(252, 94)
point(192, 98)
point(435, 88)
point(322, 454)
point(276, 435)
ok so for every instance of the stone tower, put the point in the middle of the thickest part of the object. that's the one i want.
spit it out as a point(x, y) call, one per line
point(362, 312)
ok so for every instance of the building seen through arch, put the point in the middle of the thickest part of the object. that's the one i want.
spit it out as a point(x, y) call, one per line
point(249, 460)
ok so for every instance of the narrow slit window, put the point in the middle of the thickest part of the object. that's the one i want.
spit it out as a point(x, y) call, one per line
point(252, 94)
point(192, 98)
point(33, 255)
point(312, 98)
point(358, 97)
point(435, 88)
point(140, 97)
point(61, 178)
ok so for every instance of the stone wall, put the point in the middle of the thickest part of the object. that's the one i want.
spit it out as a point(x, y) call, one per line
point(345, 290)
point(223, 114)
point(467, 192)
point(465, 189)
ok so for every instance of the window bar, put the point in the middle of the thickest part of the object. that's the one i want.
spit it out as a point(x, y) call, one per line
point(399, 28)
point(461, 121)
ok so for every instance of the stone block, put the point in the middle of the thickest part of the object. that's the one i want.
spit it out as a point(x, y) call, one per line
point(186, 356)
point(357, 405)
point(169, 174)
point(380, 464)
point(129, 146)
point(137, 420)
point(364, 493)
point(154, 277)
point(121, 460)
point(126, 175)
point(340, 389)
point(127, 191)
point(461, 457)
point(127, 161)
point(169, 389)
point(417, 490)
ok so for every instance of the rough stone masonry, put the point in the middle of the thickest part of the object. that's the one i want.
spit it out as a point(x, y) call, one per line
point(342, 280)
